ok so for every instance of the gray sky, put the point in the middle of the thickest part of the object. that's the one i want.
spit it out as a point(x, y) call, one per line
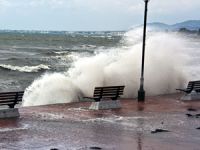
point(76, 15)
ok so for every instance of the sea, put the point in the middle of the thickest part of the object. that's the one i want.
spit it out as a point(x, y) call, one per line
point(61, 66)
point(26, 55)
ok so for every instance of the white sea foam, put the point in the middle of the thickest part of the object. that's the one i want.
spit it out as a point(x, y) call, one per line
point(50, 89)
point(25, 68)
point(121, 66)
point(72, 57)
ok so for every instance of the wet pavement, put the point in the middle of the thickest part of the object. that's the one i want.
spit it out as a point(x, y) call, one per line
point(133, 127)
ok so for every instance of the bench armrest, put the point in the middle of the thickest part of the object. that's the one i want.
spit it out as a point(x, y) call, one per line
point(183, 90)
point(85, 99)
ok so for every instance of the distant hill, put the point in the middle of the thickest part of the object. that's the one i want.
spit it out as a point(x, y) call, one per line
point(158, 25)
point(190, 24)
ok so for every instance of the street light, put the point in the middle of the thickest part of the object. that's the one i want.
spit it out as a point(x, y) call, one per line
point(141, 92)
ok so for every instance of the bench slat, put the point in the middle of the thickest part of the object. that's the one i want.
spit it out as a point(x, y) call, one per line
point(105, 94)
point(110, 91)
point(98, 90)
point(10, 97)
point(1, 104)
point(7, 97)
point(2, 96)
point(105, 87)
point(105, 97)
point(10, 93)
point(10, 100)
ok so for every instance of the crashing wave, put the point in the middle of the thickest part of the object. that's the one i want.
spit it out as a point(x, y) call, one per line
point(25, 68)
point(116, 66)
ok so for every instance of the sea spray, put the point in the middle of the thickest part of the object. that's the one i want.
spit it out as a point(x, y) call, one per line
point(50, 89)
point(163, 73)
point(165, 63)
point(121, 66)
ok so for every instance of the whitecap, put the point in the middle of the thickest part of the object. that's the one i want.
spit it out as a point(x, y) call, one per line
point(25, 68)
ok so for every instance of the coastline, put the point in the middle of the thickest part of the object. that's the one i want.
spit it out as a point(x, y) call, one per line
point(73, 126)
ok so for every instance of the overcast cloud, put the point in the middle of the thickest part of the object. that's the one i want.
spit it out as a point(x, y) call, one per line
point(92, 14)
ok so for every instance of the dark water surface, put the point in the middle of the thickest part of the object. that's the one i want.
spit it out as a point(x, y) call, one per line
point(25, 55)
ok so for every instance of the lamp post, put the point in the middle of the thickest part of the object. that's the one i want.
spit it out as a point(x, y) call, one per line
point(141, 92)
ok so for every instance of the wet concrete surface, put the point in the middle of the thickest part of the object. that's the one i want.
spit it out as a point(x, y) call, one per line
point(75, 127)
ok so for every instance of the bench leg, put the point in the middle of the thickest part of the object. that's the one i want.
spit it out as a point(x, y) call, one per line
point(114, 98)
point(97, 99)
point(11, 105)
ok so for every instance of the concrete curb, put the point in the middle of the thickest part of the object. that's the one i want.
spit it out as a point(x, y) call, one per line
point(191, 96)
point(9, 113)
point(108, 104)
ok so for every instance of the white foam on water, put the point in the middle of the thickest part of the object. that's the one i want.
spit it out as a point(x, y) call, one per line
point(50, 89)
point(25, 68)
point(165, 60)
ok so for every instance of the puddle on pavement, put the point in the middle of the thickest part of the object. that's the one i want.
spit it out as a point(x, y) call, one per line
point(11, 124)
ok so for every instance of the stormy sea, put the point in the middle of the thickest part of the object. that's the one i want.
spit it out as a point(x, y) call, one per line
point(60, 67)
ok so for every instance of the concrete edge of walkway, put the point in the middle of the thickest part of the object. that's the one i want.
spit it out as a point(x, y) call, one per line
point(9, 113)
point(109, 104)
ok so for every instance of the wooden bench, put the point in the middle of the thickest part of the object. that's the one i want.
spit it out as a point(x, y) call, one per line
point(192, 85)
point(110, 92)
point(11, 98)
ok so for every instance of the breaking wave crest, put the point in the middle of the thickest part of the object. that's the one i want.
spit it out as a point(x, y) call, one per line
point(118, 66)
point(50, 89)
point(25, 68)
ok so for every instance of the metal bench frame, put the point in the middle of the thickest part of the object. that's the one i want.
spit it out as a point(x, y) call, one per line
point(192, 85)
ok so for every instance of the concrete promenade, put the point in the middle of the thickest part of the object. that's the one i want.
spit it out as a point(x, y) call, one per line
point(133, 127)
